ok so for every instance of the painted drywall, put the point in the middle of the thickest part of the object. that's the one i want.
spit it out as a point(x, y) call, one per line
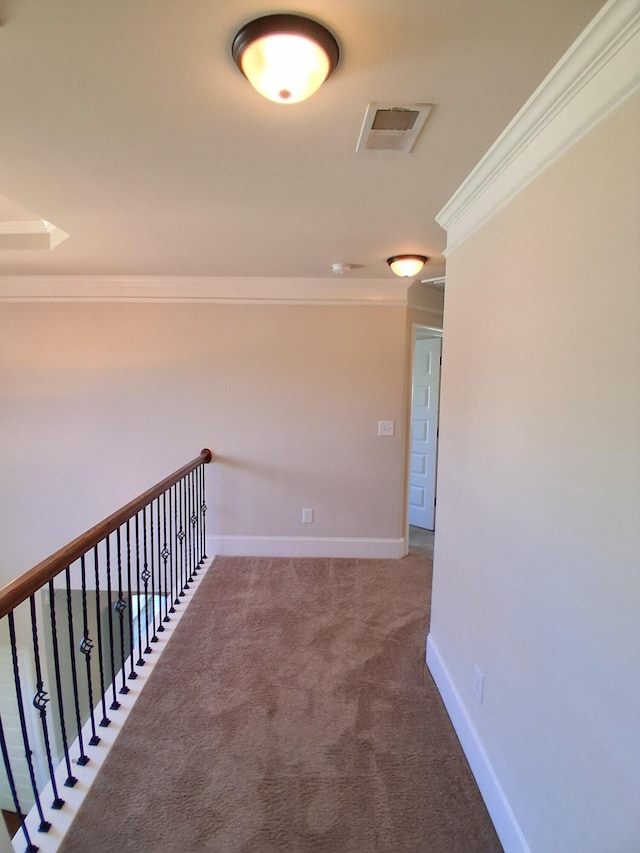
point(537, 557)
point(100, 400)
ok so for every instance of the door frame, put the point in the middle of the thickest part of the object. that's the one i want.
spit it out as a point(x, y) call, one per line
point(418, 330)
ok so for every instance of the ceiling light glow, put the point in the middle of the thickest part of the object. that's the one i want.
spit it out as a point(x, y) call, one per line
point(285, 57)
point(407, 266)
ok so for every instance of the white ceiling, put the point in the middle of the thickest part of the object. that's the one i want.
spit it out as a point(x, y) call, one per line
point(127, 125)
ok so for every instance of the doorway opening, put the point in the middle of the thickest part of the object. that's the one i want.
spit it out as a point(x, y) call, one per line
point(426, 349)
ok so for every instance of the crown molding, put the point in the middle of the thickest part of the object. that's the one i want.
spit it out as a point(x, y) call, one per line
point(267, 291)
point(597, 75)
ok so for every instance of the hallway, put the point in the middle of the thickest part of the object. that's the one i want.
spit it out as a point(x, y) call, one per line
point(292, 711)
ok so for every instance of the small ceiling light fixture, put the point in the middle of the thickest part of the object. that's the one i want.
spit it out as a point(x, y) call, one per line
point(285, 57)
point(407, 266)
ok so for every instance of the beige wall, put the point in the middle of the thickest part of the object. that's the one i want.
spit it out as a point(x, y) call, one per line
point(537, 574)
point(101, 400)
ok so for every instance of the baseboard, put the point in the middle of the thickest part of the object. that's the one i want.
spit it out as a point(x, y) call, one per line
point(305, 546)
point(502, 816)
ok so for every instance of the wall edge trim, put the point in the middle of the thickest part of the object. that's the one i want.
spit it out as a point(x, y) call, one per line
point(498, 806)
point(596, 76)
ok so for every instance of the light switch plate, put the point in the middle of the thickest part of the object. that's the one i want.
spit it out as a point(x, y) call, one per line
point(386, 427)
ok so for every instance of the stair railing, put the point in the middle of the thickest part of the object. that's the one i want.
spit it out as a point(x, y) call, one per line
point(79, 625)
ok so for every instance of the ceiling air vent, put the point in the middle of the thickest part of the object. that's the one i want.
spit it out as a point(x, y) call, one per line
point(392, 128)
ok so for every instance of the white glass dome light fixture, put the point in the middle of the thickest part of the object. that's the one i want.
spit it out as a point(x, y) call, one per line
point(407, 266)
point(285, 57)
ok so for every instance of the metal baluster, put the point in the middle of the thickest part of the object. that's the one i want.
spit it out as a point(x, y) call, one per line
point(172, 563)
point(71, 779)
point(187, 527)
point(154, 638)
point(140, 661)
point(45, 826)
point(40, 701)
point(132, 674)
point(146, 574)
point(83, 759)
point(31, 848)
point(165, 554)
point(203, 511)
point(176, 544)
point(182, 536)
point(114, 704)
point(194, 520)
point(86, 647)
point(120, 606)
point(163, 600)
point(103, 693)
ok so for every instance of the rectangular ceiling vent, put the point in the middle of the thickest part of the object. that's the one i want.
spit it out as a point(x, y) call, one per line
point(392, 128)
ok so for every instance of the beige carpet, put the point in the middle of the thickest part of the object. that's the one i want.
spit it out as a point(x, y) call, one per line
point(292, 711)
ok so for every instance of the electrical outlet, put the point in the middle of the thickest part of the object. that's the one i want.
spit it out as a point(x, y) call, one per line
point(478, 683)
point(307, 516)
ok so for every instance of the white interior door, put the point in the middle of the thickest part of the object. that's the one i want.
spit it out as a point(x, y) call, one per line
point(424, 431)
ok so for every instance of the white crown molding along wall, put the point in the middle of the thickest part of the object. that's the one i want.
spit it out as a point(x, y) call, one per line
point(597, 75)
point(295, 291)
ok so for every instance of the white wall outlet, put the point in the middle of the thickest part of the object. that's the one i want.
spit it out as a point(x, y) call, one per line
point(307, 516)
point(478, 683)
point(386, 427)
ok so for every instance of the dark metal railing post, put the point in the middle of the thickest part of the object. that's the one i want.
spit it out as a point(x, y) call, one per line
point(31, 847)
point(83, 757)
point(71, 779)
point(40, 701)
point(86, 647)
point(120, 606)
point(45, 826)
point(140, 661)
point(103, 693)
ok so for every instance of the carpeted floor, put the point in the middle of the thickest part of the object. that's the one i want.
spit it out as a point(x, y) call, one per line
point(292, 711)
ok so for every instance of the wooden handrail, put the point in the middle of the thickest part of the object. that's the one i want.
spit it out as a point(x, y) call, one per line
point(21, 588)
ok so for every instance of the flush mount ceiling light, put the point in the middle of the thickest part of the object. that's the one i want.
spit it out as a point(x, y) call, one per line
point(407, 266)
point(285, 57)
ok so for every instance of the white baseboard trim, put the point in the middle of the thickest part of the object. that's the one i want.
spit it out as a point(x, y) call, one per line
point(502, 816)
point(305, 546)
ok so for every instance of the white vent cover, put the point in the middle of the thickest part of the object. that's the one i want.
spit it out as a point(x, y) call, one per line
point(389, 127)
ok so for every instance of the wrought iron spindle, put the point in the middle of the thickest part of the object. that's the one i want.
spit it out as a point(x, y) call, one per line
point(154, 638)
point(146, 575)
point(83, 758)
point(132, 673)
point(140, 661)
point(193, 518)
point(179, 530)
point(203, 512)
point(163, 602)
point(165, 553)
point(71, 780)
point(31, 847)
point(120, 606)
point(173, 600)
point(40, 701)
point(103, 693)
point(114, 704)
point(188, 529)
point(184, 533)
point(86, 647)
point(45, 826)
